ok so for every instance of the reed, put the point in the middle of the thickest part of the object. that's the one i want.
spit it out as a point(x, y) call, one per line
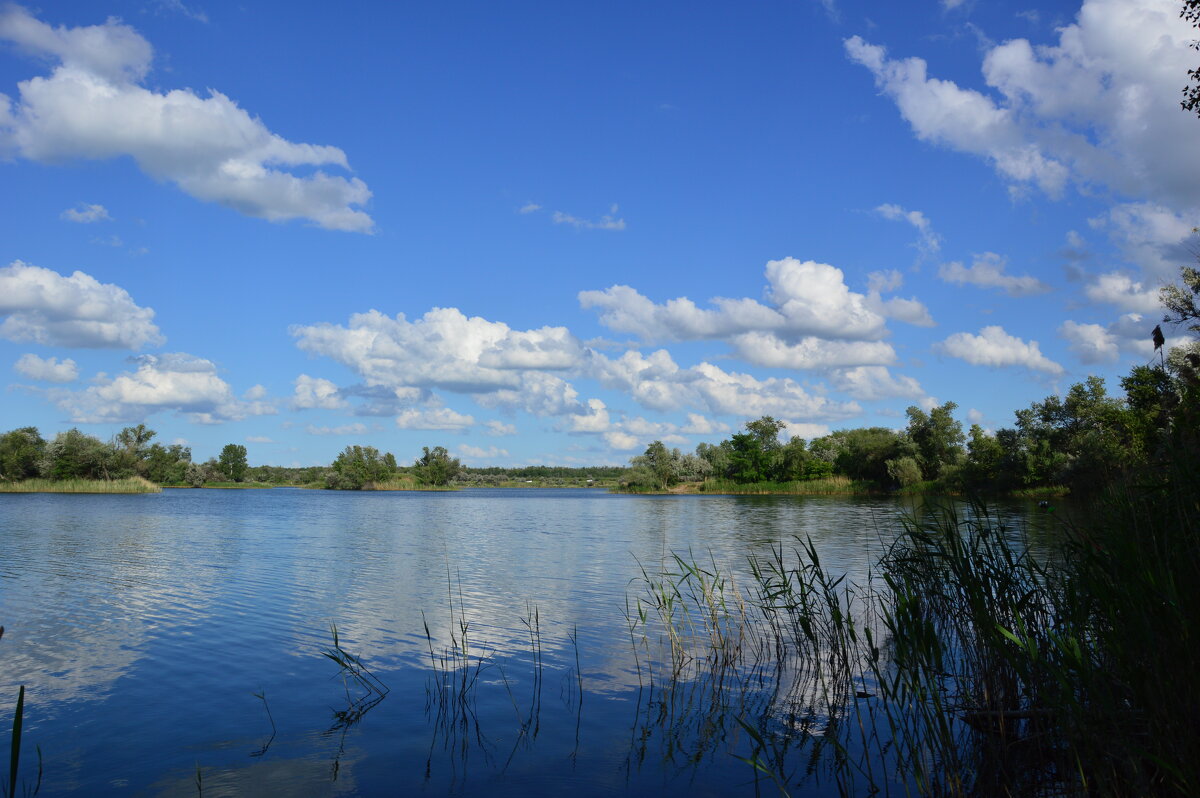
point(828, 486)
point(130, 485)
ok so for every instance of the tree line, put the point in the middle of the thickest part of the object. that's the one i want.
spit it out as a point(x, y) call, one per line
point(1080, 441)
point(25, 454)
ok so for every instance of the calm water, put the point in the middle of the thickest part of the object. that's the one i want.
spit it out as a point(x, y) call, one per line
point(144, 626)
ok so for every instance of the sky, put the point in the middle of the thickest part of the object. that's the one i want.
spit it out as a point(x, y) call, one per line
point(553, 233)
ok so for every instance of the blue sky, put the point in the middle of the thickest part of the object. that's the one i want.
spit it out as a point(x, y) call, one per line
point(537, 234)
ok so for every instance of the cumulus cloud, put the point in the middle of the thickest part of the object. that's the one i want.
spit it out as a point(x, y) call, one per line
point(1091, 343)
point(658, 383)
point(1095, 343)
point(811, 320)
point(995, 347)
point(1123, 291)
point(499, 428)
point(699, 425)
point(43, 306)
point(609, 221)
point(47, 369)
point(312, 392)
point(595, 419)
point(875, 382)
point(1155, 238)
point(988, 271)
point(86, 214)
point(179, 382)
point(93, 105)
point(442, 349)
point(1100, 106)
point(441, 418)
point(966, 120)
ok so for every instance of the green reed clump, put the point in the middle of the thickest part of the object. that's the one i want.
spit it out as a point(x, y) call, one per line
point(828, 486)
point(130, 485)
point(967, 663)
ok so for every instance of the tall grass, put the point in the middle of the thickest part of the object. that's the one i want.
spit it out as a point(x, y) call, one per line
point(829, 486)
point(130, 485)
point(965, 664)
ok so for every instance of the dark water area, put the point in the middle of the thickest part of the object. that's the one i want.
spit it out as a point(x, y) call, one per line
point(171, 644)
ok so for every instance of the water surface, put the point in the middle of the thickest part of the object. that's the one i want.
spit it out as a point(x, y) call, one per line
point(159, 636)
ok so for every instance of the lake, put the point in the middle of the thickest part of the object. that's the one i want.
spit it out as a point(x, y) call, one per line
point(171, 644)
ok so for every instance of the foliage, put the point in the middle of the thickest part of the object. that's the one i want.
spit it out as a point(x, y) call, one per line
point(656, 465)
point(356, 466)
point(435, 466)
point(20, 452)
point(232, 462)
point(938, 438)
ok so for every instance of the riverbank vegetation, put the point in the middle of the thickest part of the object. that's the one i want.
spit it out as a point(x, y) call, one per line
point(1077, 443)
point(127, 485)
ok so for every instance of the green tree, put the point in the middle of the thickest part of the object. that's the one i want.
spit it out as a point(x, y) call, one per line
point(21, 451)
point(985, 457)
point(938, 438)
point(76, 455)
point(865, 453)
point(435, 466)
point(166, 464)
point(904, 471)
point(1180, 300)
point(358, 465)
point(660, 465)
point(232, 462)
point(134, 439)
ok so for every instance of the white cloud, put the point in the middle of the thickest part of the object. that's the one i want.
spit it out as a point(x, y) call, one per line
point(255, 392)
point(1124, 292)
point(479, 453)
point(86, 214)
point(314, 392)
point(609, 221)
point(994, 347)
point(622, 441)
point(699, 425)
point(988, 272)
point(357, 428)
point(1091, 343)
point(92, 106)
point(180, 382)
point(875, 382)
point(1101, 106)
point(884, 282)
point(1094, 343)
point(43, 306)
point(258, 439)
point(47, 369)
point(806, 299)
point(1155, 238)
point(658, 383)
point(596, 418)
point(441, 418)
point(806, 430)
point(966, 120)
point(499, 428)
point(810, 352)
point(529, 207)
point(930, 242)
point(442, 349)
